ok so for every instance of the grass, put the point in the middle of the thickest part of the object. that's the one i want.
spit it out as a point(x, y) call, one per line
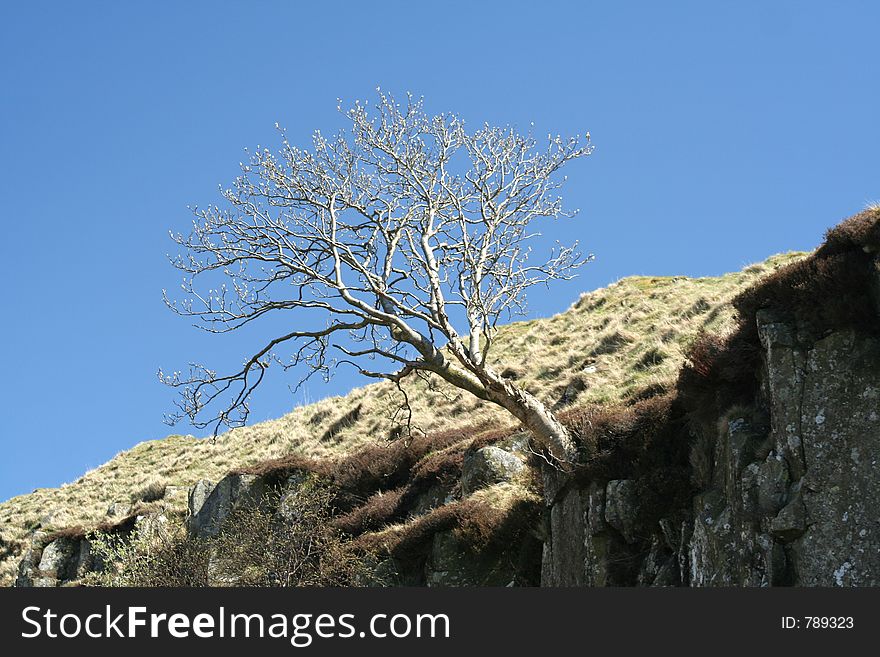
point(624, 342)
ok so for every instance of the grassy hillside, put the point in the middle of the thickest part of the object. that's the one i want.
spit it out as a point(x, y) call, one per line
point(622, 342)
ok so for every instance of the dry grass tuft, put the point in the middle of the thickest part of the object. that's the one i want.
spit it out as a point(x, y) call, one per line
point(152, 492)
point(75, 533)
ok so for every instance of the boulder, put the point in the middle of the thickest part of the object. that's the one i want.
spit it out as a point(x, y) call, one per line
point(60, 561)
point(487, 466)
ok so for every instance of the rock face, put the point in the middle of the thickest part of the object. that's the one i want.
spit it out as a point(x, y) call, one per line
point(832, 512)
point(197, 496)
point(54, 561)
point(791, 493)
point(30, 560)
point(450, 563)
point(210, 505)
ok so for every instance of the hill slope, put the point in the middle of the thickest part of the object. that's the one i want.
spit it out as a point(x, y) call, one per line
point(625, 341)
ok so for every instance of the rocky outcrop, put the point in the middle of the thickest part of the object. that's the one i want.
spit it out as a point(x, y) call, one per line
point(451, 563)
point(789, 493)
point(210, 505)
point(55, 561)
point(828, 519)
point(30, 560)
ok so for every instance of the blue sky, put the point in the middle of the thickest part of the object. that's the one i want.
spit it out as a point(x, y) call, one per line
point(724, 132)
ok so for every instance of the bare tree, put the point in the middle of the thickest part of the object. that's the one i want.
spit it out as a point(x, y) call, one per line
point(383, 239)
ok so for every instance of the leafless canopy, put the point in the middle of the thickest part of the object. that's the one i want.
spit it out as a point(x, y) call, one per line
point(400, 243)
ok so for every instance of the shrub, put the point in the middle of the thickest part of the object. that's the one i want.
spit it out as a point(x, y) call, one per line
point(410, 539)
point(440, 467)
point(489, 529)
point(8, 549)
point(386, 466)
point(73, 533)
point(284, 542)
point(380, 509)
point(482, 527)
point(152, 492)
point(719, 372)
point(861, 231)
point(819, 293)
point(154, 554)
point(644, 441)
point(275, 471)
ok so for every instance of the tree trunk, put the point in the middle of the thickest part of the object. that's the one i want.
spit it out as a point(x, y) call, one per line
point(535, 416)
point(487, 384)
